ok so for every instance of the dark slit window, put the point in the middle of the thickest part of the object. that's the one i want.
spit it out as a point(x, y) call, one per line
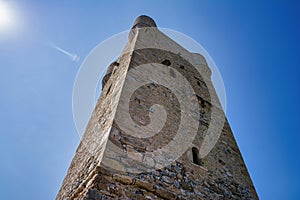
point(196, 158)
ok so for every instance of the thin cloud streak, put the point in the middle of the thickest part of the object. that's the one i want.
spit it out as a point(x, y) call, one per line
point(74, 57)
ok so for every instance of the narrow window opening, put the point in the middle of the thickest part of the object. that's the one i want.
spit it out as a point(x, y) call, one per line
point(196, 158)
point(166, 62)
point(108, 90)
point(181, 67)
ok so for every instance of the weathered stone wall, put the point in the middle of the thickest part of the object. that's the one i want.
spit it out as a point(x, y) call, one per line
point(111, 163)
point(90, 151)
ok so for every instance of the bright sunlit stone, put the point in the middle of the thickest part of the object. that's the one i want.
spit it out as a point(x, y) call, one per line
point(6, 18)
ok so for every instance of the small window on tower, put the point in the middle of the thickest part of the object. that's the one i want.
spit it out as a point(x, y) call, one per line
point(166, 62)
point(196, 158)
point(108, 90)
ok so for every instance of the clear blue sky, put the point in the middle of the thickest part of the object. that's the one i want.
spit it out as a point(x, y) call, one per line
point(255, 45)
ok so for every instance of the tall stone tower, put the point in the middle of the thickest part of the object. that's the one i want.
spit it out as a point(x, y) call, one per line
point(158, 130)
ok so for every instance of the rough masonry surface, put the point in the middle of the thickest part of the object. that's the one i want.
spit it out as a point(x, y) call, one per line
point(99, 171)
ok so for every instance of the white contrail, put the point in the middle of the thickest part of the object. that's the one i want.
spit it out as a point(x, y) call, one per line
point(74, 57)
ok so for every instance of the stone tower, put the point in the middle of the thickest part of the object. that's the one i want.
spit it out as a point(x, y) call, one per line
point(158, 130)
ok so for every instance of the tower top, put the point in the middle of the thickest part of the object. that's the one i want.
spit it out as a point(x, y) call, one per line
point(143, 21)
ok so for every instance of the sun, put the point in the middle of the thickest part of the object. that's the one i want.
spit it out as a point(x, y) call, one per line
point(6, 17)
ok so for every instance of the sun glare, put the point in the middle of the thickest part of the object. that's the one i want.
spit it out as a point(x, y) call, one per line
point(6, 18)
